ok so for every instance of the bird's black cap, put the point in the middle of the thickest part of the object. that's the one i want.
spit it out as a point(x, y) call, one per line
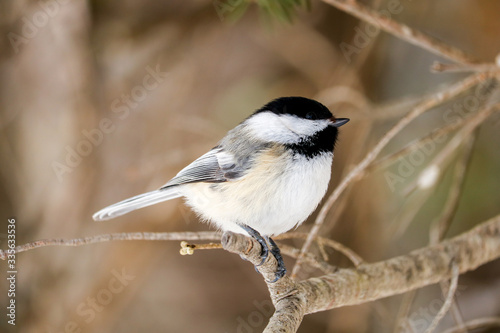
point(298, 106)
point(322, 141)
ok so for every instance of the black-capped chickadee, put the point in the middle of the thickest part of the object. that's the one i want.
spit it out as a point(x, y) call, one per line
point(265, 177)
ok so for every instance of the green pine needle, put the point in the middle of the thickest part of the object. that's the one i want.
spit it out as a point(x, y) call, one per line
point(282, 10)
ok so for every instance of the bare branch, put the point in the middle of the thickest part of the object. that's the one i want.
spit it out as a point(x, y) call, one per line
point(350, 254)
point(311, 259)
point(122, 236)
point(404, 310)
point(419, 268)
point(346, 286)
point(441, 67)
point(440, 226)
point(188, 248)
point(357, 171)
point(416, 144)
point(288, 314)
point(401, 31)
point(369, 282)
point(444, 156)
point(476, 324)
point(448, 301)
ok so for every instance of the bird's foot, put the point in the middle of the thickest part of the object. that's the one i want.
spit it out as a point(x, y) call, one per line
point(275, 250)
point(281, 270)
point(256, 235)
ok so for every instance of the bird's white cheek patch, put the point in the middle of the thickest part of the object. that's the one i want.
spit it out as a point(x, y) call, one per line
point(268, 127)
point(283, 128)
point(303, 127)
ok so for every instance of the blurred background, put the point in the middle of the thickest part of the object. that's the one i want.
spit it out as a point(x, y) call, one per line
point(102, 100)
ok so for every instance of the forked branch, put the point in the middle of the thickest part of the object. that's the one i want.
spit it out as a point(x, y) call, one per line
point(369, 282)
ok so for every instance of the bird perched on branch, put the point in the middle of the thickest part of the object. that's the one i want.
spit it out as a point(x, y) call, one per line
point(265, 177)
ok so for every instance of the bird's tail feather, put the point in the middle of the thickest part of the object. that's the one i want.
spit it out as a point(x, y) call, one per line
point(139, 201)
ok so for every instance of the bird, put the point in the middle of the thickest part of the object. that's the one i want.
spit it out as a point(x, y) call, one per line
point(264, 178)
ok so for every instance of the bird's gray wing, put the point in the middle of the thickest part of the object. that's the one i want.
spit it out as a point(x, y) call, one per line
point(216, 166)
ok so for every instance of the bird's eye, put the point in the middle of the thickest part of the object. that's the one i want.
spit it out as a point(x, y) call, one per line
point(311, 116)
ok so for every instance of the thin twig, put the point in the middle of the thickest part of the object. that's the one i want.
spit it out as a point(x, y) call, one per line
point(447, 303)
point(336, 95)
point(455, 309)
point(444, 156)
point(440, 226)
point(433, 173)
point(460, 67)
point(188, 248)
point(311, 259)
point(476, 324)
point(326, 268)
point(123, 236)
point(350, 254)
point(408, 213)
point(356, 172)
point(404, 310)
point(418, 143)
point(401, 31)
point(435, 236)
point(396, 108)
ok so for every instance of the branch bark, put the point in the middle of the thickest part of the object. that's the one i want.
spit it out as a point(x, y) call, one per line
point(401, 31)
point(357, 171)
point(368, 282)
point(119, 236)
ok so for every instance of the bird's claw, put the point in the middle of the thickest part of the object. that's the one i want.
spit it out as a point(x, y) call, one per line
point(281, 269)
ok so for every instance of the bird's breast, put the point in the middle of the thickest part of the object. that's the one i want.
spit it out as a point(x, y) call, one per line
point(278, 192)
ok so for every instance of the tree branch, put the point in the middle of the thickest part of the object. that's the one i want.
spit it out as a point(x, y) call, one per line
point(357, 171)
point(418, 143)
point(121, 236)
point(477, 323)
point(368, 282)
point(441, 67)
point(448, 302)
point(401, 31)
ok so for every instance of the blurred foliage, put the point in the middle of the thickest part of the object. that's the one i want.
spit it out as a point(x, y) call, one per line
point(282, 10)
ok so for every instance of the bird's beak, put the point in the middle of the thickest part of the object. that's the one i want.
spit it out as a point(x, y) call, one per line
point(337, 122)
